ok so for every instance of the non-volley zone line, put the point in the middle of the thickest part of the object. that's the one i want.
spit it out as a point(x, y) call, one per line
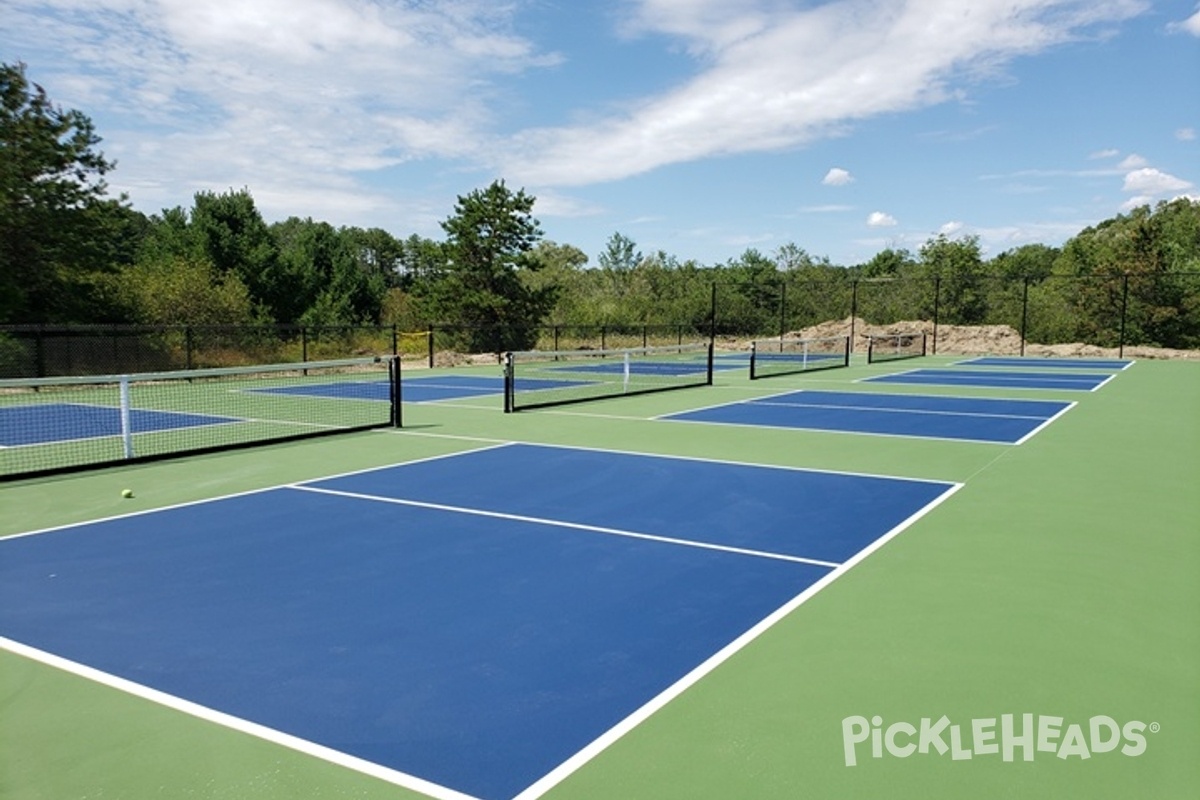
point(972, 419)
point(1036, 362)
point(481, 654)
point(998, 379)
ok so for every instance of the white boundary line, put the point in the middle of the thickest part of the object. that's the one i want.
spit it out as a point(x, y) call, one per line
point(733, 463)
point(234, 723)
point(559, 773)
point(1049, 362)
point(840, 432)
point(246, 493)
point(598, 745)
point(1012, 385)
point(554, 523)
point(1045, 424)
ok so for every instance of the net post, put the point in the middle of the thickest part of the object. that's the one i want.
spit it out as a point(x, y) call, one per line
point(846, 350)
point(395, 381)
point(509, 384)
point(753, 355)
point(126, 427)
point(924, 343)
point(870, 349)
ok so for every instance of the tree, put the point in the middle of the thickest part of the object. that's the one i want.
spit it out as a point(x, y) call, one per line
point(489, 240)
point(58, 229)
point(958, 264)
point(232, 234)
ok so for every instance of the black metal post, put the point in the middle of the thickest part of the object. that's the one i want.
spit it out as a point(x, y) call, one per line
point(397, 412)
point(937, 294)
point(431, 330)
point(1024, 312)
point(782, 310)
point(712, 315)
point(1124, 309)
point(853, 310)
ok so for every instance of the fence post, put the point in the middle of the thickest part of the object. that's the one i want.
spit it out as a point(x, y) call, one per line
point(187, 339)
point(1124, 309)
point(712, 315)
point(853, 310)
point(395, 340)
point(303, 343)
point(1024, 312)
point(937, 294)
point(782, 309)
point(39, 349)
point(431, 330)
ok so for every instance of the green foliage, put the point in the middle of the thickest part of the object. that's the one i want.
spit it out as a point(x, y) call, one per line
point(489, 242)
point(186, 291)
point(69, 253)
point(59, 233)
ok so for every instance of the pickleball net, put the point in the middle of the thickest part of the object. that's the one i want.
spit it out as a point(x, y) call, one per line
point(541, 378)
point(51, 425)
point(896, 346)
point(784, 356)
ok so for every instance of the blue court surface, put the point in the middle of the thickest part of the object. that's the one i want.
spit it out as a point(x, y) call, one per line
point(927, 416)
point(1047, 363)
point(430, 389)
point(471, 621)
point(62, 422)
point(617, 366)
point(1000, 379)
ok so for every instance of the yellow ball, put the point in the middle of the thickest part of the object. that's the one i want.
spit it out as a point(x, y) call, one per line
point(127, 493)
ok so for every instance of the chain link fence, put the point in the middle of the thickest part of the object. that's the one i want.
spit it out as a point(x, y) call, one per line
point(959, 313)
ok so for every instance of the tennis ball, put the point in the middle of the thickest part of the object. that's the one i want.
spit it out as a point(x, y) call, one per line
point(127, 493)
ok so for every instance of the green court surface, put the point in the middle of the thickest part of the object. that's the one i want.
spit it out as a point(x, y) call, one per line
point(1062, 581)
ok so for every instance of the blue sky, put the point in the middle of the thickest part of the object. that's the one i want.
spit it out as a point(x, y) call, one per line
point(697, 127)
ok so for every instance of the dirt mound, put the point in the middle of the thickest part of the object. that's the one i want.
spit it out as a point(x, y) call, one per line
point(977, 340)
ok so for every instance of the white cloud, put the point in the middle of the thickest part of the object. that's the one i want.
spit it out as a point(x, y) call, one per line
point(1132, 161)
point(1152, 182)
point(837, 177)
point(951, 228)
point(1137, 201)
point(1186, 134)
point(830, 208)
point(293, 98)
point(879, 219)
point(1104, 154)
point(1190, 25)
point(775, 75)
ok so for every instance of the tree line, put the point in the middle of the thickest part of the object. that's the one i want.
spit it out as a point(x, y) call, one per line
point(71, 253)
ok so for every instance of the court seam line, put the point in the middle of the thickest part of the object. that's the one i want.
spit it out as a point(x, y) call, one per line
point(648, 709)
point(235, 723)
point(554, 523)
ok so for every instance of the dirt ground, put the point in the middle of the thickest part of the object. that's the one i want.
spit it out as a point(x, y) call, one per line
point(980, 340)
point(967, 340)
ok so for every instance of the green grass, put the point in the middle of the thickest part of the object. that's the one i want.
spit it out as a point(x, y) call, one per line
point(1061, 580)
